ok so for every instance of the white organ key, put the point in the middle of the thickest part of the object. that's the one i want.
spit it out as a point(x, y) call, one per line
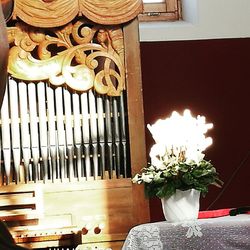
point(24, 117)
point(93, 131)
point(93, 122)
point(34, 128)
point(52, 130)
point(59, 116)
point(68, 117)
point(85, 132)
point(108, 128)
point(69, 133)
point(6, 134)
point(100, 119)
point(85, 117)
point(43, 127)
point(77, 119)
point(60, 129)
point(51, 116)
point(15, 134)
point(77, 131)
point(42, 114)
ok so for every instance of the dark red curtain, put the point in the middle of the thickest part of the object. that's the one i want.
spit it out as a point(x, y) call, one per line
point(211, 78)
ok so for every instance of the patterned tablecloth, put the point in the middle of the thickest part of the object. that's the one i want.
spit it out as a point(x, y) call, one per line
point(229, 232)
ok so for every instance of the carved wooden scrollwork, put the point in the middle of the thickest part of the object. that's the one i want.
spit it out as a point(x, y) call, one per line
point(79, 55)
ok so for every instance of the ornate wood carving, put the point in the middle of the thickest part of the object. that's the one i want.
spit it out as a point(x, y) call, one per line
point(53, 13)
point(79, 55)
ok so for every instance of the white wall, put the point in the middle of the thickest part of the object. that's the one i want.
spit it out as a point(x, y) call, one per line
point(203, 19)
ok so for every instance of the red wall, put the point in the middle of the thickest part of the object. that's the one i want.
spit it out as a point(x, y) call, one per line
point(211, 78)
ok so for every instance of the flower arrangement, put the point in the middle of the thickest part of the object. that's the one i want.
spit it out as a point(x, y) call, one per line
point(177, 158)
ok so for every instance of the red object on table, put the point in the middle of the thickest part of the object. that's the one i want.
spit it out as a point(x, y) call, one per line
point(214, 213)
point(223, 212)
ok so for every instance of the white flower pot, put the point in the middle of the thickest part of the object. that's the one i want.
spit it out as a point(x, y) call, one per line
point(183, 205)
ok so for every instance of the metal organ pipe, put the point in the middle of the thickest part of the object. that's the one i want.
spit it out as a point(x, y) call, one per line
point(54, 135)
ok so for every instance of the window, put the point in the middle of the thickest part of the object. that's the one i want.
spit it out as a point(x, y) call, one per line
point(161, 10)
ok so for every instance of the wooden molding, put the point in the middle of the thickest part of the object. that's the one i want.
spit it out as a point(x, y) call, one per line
point(135, 118)
point(54, 13)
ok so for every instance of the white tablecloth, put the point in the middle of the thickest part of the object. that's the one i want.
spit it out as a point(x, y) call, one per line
point(229, 232)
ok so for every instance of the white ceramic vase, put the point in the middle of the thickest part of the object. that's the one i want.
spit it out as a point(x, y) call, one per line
point(183, 205)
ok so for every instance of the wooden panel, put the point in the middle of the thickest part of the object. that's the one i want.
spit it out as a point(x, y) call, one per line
point(135, 118)
point(116, 245)
point(169, 10)
point(91, 208)
point(61, 221)
point(86, 185)
point(20, 202)
point(50, 243)
point(13, 188)
point(17, 199)
point(19, 215)
point(155, 7)
point(172, 5)
point(74, 213)
point(168, 16)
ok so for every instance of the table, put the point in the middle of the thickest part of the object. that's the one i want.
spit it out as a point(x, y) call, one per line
point(229, 232)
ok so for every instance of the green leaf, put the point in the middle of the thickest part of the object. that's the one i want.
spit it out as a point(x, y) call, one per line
point(166, 191)
point(188, 178)
point(185, 176)
point(183, 167)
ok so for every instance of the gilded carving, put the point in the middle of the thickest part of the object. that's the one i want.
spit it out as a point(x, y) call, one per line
point(78, 55)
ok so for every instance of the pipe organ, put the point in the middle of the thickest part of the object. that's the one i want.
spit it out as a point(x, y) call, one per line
point(54, 135)
point(72, 128)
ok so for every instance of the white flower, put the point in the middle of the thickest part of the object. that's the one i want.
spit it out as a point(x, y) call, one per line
point(157, 150)
point(177, 167)
point(137, 179)
point(166, 159)
point(180, 132)
point(172, 161)
point(195, 156)
point(158, 164)
point(179, 143)
point(147, 177)
point(156, 153)
point(157, 176)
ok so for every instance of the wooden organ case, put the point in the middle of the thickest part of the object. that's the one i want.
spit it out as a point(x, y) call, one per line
point(72, 124)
